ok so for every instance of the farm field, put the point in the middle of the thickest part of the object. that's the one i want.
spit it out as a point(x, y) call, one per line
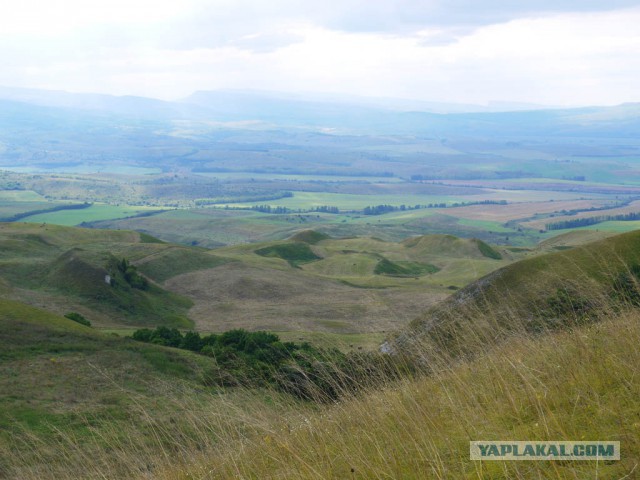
point(517, 211)
point(93, 213)
point(310, 200)
point(633, 207)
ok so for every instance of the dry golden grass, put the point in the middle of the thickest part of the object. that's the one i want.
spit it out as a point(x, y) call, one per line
point(576, 385)
point(515, 211)
point(580, 384)
point(241, 296)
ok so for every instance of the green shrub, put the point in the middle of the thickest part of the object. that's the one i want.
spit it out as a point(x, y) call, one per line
point(260, 358)
point(76, 317)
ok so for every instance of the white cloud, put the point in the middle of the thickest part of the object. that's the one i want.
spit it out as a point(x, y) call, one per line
point(427, 50)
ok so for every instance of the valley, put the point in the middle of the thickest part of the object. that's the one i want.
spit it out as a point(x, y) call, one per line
point(239, 286)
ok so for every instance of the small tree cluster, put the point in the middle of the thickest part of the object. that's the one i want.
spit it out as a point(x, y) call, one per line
point(124, 274)
point(261, 358)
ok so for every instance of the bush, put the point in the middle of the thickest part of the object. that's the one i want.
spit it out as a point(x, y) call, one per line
point(125, 275)
point(76, 317)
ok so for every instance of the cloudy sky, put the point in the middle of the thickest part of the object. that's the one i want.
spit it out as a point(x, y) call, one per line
point(553, 52)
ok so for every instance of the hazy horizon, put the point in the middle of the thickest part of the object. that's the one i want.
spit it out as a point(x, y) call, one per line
point(543, 53)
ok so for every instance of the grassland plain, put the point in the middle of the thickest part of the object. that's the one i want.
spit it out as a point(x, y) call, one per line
point(266, 286)
point(633, 207)
point(95, 212)
point(212, 227)
point(310, 200)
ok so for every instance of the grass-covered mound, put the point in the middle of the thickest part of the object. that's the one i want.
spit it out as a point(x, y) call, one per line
point(128, 295)
point(451, 246)
point(550, 291)
point(403, 268)
point(295, 253)
point(309, 236)
point(176, 261)
point(486, 250)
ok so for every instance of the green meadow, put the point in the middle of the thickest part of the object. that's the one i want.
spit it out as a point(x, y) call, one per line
point(95, 212)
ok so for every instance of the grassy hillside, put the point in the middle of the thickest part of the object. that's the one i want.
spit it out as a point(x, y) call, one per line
point(545, 292)
point(66, 269)
point(64, 385)
point(375, 286)
point(567, 381)
point(563, 386)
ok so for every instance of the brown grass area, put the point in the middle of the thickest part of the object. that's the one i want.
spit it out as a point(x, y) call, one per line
point(633, 207)
point(515, 211)
point(240, 296)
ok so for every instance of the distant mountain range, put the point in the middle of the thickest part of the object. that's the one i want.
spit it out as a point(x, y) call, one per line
point(344, 114)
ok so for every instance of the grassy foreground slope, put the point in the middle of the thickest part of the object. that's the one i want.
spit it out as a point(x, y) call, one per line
point(578, 385)
point(574, 378)
point(70, 394)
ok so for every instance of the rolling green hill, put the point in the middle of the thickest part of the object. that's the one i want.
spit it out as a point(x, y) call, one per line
point(565, 288)
point(281, 286)
point(375, 285)
point(67, 269)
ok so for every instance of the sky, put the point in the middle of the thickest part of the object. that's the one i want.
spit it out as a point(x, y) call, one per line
point(560, 52)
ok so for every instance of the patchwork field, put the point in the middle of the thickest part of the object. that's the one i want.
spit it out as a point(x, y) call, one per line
point(525, 210)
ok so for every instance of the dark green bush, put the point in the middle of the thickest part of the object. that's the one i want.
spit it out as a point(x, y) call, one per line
point(76, 317)
point(261, 359)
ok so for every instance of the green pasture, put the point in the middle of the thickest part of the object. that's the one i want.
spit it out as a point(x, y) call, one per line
point(296, 177)
point(93, 213)
point(345, 201)
point(20, 196)
point(86, 169)
point(485, 225)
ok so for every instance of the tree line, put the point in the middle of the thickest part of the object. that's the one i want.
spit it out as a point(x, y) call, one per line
point(587, 221)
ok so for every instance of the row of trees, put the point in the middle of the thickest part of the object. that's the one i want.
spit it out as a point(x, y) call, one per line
point(586, 221)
